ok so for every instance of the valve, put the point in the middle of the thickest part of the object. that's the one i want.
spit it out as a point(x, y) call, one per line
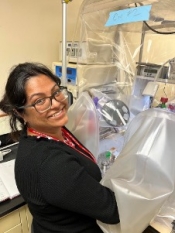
point(163, 100)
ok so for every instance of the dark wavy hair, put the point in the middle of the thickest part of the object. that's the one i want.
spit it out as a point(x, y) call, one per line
point(15, 93)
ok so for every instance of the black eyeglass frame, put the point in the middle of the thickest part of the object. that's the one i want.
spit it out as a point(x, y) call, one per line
point(48, 97)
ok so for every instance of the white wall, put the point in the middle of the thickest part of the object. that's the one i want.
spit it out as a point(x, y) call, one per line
point(30, 30)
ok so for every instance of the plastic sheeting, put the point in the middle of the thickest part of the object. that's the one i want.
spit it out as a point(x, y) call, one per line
point(83, 123)
point(127, 43)
point(143, 175)
point(115, 53)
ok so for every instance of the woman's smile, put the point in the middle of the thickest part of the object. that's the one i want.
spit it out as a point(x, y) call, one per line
point(58, 114)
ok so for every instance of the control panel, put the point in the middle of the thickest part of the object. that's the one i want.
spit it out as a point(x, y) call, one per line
point(71, 72)
point(150, 70)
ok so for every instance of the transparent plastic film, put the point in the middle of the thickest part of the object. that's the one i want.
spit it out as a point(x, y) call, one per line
point(143, 176)
point(123, 51)
point(165, 219)
point(83, 122)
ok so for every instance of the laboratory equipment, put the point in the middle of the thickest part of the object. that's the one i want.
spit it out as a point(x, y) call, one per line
point(81, 77)
point(71, 72)
point(137, 49)
point(115, 112)
point(87, 52)
point(105, 160)
point(150, 89)
point(150, 70)
point(74, 50)
point(134, 45)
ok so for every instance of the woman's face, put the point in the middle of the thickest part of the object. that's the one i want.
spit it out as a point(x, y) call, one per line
point(50, 121)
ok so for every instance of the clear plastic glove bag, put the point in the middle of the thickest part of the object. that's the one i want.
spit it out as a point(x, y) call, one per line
point(83, 122)
point(143, 175)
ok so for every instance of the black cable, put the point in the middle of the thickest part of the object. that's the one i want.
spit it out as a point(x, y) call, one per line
point(164, 33)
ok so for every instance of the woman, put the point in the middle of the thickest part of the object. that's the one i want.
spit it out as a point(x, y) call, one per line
point(56, 175)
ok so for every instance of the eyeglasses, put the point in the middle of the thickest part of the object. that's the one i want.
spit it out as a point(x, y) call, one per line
point(44, 104)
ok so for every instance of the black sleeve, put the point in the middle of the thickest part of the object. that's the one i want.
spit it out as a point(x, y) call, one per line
point(66, 184)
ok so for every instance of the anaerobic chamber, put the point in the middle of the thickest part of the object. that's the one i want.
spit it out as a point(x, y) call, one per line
point(121, 59)
point(130, 49)
point(135, 39)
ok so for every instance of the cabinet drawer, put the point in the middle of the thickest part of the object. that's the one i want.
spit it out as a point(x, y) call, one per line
point(10, 221)
point(29, 218)
point(16, 229)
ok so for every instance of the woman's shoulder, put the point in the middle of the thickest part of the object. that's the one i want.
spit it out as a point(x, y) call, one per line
point(42, 148)
point(39, 143)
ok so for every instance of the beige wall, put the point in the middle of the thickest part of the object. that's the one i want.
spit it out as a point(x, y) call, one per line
point(30, 30)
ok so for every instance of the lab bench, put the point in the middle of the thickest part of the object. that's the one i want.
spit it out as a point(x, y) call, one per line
point(14, 214)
